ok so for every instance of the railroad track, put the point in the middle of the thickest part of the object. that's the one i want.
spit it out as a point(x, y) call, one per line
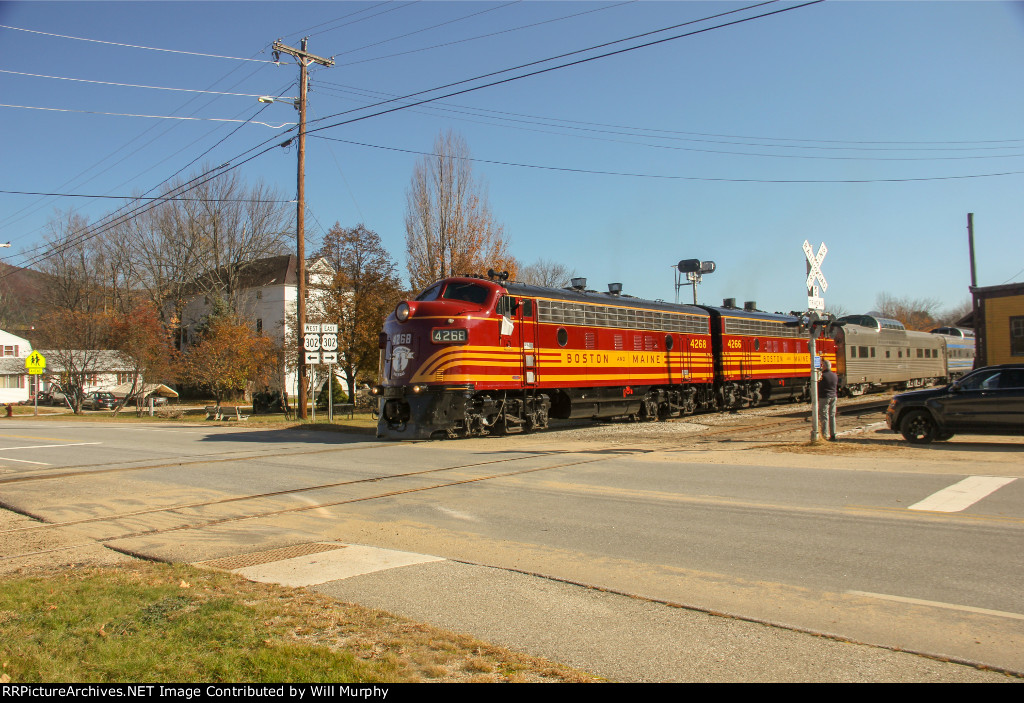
point(771, 425)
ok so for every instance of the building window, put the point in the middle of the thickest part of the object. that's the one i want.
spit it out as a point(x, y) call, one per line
point(12, 381)
point(1017, 336)
point(9, 350)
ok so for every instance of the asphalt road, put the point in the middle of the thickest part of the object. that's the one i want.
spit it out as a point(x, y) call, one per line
point(641, 553)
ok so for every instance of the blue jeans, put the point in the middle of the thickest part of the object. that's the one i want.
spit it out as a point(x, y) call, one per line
point(827, 415)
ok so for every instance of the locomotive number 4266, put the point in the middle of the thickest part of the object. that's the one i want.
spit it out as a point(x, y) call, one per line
point(448, 335)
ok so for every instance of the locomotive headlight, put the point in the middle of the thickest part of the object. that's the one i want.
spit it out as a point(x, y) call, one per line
point(418, 389)
point(403, 311)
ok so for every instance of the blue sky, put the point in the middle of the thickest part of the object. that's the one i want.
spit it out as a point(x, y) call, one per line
point(874, 127)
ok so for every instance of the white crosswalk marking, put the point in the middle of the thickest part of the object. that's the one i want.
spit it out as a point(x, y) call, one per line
point(963, 494)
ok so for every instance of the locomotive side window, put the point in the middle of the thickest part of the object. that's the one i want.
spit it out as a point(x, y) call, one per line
point(527, 308)
point(507, 306)
point(669, 342)
point(563, 337)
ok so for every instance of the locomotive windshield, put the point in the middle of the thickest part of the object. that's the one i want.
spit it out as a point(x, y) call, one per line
point(467, 292)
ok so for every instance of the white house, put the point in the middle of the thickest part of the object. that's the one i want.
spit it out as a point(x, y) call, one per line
point(15, 383)
point(267, 295)
point(101, 369)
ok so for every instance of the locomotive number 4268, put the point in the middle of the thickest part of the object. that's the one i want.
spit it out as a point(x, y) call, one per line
point(448, 335)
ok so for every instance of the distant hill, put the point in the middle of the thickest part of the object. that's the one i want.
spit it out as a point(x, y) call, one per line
point(20, 292)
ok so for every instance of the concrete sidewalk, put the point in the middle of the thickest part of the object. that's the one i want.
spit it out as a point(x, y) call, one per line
point(612, 635)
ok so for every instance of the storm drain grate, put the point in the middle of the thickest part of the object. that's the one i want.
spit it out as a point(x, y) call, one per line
point(271, 555)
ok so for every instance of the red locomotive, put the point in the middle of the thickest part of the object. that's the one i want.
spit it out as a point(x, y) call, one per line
point(471, 356)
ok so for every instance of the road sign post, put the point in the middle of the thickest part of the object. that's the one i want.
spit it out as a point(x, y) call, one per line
point(320, 348)
point(329, 357)
point(35, 364)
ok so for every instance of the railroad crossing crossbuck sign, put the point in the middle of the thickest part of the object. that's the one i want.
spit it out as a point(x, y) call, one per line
point(814, 273)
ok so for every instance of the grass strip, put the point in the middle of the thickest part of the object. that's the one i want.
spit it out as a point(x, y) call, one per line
point(155, 623)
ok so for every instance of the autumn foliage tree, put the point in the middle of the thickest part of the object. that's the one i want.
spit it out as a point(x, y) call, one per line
point(146, 346)
point(365, 288)
point(229, 358)
point(449, 226)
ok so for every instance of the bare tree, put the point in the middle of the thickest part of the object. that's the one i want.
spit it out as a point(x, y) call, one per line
point(201, 244)
point(449, 226)
point(549, 274)
point(74, 266)
point(956, 313)
point(914, 313)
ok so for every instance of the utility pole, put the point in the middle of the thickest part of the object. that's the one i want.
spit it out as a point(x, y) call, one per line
point(304, 58)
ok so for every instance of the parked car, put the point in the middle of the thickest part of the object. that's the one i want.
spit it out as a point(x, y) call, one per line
point(56, 398)
point(99, 400)
point(987, 401)
point(157, 400)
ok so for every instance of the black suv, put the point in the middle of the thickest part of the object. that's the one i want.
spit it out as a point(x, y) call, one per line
point(987, 401)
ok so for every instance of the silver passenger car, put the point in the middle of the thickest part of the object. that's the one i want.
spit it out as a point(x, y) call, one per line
point(875, 353)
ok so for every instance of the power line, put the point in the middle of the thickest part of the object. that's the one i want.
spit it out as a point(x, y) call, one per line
point(506, 80)
point(427, 29)
point(362, 19)
point(674, 177)
point(143, 197)
point(135, 85)
point(131, 46)
point(565, 65)
point(479, 36)
point(331, 88)
point(575, 132)
point(81, 174)
point(155, 117)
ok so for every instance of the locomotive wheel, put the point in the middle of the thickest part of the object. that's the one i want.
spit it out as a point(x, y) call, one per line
point(918, 427)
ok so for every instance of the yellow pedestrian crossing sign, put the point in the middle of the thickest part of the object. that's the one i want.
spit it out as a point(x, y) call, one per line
point(35, 363)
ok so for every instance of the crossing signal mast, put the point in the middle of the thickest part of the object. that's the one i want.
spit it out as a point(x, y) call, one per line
point(693, 270)
point(814, 320)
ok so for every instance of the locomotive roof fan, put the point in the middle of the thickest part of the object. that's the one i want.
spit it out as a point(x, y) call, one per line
point(614, 289)
point(579, 284)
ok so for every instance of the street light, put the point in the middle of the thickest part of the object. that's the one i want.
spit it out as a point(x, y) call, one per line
point(279, 99)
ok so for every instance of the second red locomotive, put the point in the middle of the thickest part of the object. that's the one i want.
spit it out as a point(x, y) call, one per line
point(472, 357)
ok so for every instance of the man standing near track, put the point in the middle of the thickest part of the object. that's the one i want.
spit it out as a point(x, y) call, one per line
point(828, 386)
